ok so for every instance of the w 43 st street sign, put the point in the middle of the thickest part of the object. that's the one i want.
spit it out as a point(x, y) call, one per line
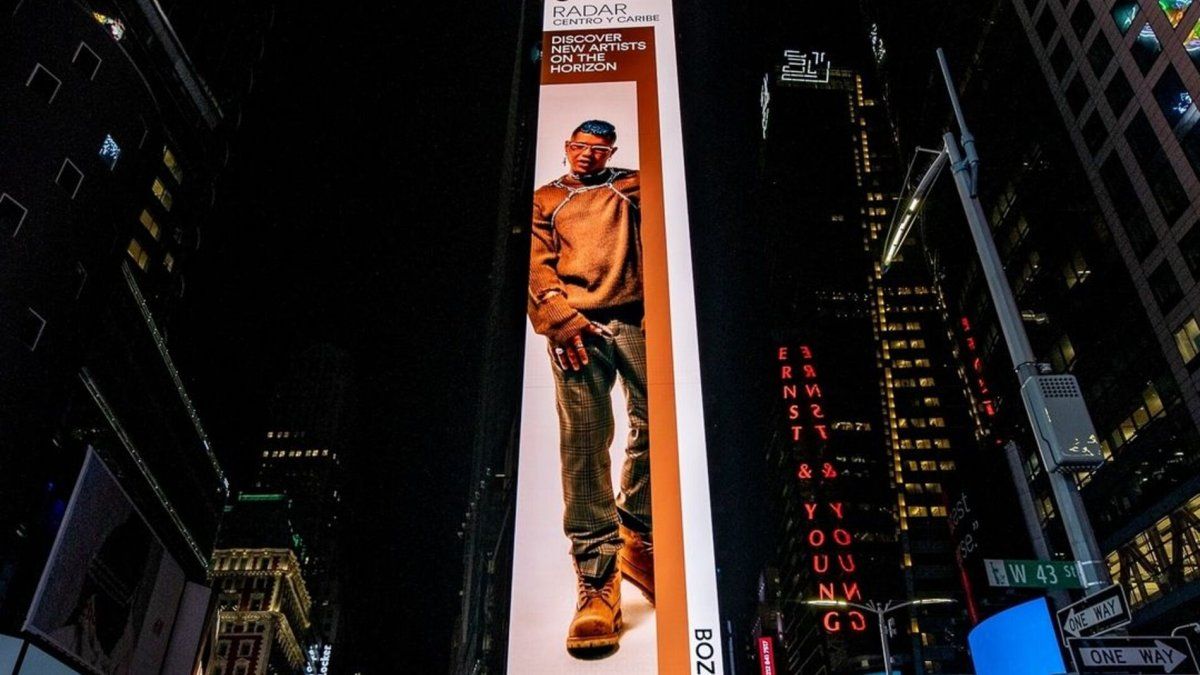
point(1033, 573)
point(1096, 614)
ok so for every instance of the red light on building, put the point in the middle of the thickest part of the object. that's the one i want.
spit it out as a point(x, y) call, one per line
point(827, 537)
point(766, 656)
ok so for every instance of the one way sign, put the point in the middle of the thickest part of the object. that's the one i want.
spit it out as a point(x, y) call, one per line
point(1096, 614)
point(1133, 655)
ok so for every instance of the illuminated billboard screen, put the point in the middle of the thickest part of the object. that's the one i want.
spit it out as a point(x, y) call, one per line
point(110, 594)
point(612, 476)
point(1018, 641)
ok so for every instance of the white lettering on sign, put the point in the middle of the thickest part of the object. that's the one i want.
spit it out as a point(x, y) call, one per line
point(804, 66)
point(1161, 654)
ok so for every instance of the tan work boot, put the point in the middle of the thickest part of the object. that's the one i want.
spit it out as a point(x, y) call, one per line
point(597, 621)
point(636, 561)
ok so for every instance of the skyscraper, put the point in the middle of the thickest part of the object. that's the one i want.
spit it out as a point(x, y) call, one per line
point(1089, 188)
point(112, 144)
point(880, 449)
point(310, 429)
point(1123, 76)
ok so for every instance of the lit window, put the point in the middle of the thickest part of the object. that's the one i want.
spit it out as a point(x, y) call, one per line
point(1123, 14)
point(172, 165)
point(917, 512)
point(110, 152)
point(115, 28)
point(169, 262)
point(922, 363)
point(941, 443)
point(937, 511)
point(918, 344)
point(937, 421)
point(162, 193)
point(1187, 340)
point(931, 401)
point(946, 466)
point(150, 224)
point(1174, 9)
point(925, 381)
point(1076, 270)
point(138, 254)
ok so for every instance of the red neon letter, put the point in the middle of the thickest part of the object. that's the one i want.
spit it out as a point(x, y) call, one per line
point(842, 537)
point(846, 562)
point(816, 539)
point(796, 432)
point(785, 372)
point(783, 354)
point(820, 564)
point(851, 591)
point(858, 622)
point(813, 390)
point(811, 509)
point(805, 471)
point(837, 509)
point(821, 431)
point(789, 391)
point(831, 621)
point(793, 412)
point(827, 471)
point(815, 409)
point(810, 373)
point(805, 352)
point(825, 591)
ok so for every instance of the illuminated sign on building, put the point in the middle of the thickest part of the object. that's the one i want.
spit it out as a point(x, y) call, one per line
point(801, 66)
point(766, 656)
point(826, 533)
point(318, 660)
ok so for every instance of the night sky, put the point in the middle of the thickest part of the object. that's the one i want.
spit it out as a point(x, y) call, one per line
point(360, 212)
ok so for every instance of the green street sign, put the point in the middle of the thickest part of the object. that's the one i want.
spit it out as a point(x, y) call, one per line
point(1033, 573)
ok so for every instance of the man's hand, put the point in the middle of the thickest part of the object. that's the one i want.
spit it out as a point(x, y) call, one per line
point(573, 355)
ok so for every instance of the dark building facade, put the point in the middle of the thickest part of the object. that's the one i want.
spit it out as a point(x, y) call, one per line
point(111, 153)
point(303, 453)
point(1091, 220)
point(898, 420)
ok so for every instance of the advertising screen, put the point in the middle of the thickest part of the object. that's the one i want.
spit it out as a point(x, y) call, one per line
point(109, 594)
point(613, 563)
point(1021, 640)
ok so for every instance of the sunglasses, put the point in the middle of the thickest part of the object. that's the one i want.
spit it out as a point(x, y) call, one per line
point(600, 150)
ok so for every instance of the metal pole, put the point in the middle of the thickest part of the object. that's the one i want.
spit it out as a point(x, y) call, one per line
point(883, 639)
point(1036, 536)
point(1070, 505)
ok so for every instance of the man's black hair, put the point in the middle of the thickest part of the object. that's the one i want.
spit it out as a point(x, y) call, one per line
point(599, 128)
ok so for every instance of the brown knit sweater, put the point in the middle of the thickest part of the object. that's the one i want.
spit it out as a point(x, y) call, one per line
point(586, 252)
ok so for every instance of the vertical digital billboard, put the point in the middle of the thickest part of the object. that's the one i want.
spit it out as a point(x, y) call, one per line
point(613, 559)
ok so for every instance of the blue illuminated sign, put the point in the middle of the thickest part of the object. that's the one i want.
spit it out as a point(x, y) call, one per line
point(1018, 641)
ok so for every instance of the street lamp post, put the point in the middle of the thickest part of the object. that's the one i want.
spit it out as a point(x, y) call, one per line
point(880, 611)
point(1065, 438)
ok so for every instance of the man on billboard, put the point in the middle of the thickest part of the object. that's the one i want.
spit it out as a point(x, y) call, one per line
point(585, 296)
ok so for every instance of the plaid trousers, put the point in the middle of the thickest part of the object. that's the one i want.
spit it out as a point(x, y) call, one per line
point(586, 429)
